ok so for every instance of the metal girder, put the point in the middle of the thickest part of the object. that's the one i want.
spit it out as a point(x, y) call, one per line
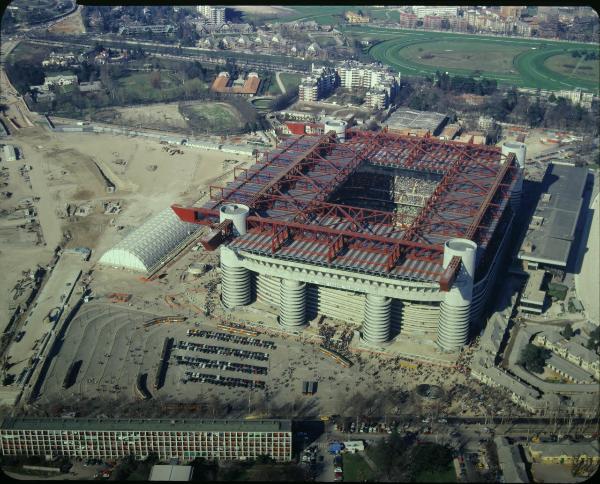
point(450, 273)
point(468, 170)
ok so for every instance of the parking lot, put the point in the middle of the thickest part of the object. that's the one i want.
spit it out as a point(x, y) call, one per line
point(111, 347)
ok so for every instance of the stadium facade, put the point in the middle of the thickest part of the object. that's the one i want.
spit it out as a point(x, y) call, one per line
point(401, 235)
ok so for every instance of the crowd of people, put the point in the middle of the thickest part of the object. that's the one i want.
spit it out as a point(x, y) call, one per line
point(341, 344)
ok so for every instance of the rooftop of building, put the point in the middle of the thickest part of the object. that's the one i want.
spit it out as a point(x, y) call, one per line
point(533, 291)
point(415, 120)
point(167, 472)
point(567, 448)
point(291, 192)
point(569, 369)
point(109, 424)
point(511, 463)
point(575, 346)
point(552, 229)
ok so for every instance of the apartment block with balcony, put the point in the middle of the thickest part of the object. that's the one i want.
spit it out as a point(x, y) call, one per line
point(183, 439)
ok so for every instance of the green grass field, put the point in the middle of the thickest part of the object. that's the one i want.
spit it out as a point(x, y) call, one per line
point(437, 476)
point(463, 55)
point(520, 62)
point(290, 80)
point(138, 86)
point(217, 117)
point(567, 65)
point(324, 41)
point(356, 469)
point(32, 53)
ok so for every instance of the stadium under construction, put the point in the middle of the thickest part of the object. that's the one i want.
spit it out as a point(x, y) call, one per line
point(400, 235)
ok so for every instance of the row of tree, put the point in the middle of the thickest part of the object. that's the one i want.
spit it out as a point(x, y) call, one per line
point(586, 54)
point(443, 94)
point(398, 459)
point(465, 84)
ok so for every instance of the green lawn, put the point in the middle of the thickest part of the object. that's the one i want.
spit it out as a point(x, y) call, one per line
point(32, 53)
point(325, 41)
point(217, 117)
point(449, 475)
point(290, 80)
point(142, 81)
point(570, 66)
point(356, 469)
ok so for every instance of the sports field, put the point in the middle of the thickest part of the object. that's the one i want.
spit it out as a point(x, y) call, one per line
point(464, 55)
point(213, 117)
point(521, 62)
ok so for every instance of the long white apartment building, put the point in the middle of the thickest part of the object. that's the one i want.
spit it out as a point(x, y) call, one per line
point(380, 82)
point(318, 84)
point(214, 15)
point(439, 10)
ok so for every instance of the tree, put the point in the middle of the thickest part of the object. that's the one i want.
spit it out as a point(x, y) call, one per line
point(568, 331)
point(155, 79)
point(535, 114)
point(534, 358)
point(594, 341)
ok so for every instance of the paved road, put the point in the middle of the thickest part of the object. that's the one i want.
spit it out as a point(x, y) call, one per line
point(587, 282)
point(280, 84)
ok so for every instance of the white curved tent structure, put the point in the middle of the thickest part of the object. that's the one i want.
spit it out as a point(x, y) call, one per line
point(146, 248)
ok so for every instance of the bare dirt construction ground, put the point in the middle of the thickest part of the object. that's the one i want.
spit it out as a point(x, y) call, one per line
point(65, 174)
point(157, 116)
point(73, 24)
point(189, 117)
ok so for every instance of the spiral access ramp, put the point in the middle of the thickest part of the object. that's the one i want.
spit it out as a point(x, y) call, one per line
point(376, 326)
point(292, 309)
point(236, 286)
point(453, 329)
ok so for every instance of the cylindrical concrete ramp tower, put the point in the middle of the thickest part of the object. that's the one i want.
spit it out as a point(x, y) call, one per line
point(453, 327)
point(292, 308)
point(376, 325)
point(337, 125)
point(520, 152)
point(236, 282)
point(237, 213)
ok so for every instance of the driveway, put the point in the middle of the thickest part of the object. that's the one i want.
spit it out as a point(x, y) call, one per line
point(587, 282)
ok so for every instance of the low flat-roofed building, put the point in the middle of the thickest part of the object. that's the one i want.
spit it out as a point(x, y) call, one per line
point(9, 153)
point(182, 439)
point(552, 229)
point(564, 452)
point(224, 84)
point(568, 370)
point(511, 463)
point(573, 350)
point(416, 123)
point(477, 137)
point(90, 86)
point(171, 473)
point(449, 132)
point(60, 80)
point(354, 446)
point(533, 297)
